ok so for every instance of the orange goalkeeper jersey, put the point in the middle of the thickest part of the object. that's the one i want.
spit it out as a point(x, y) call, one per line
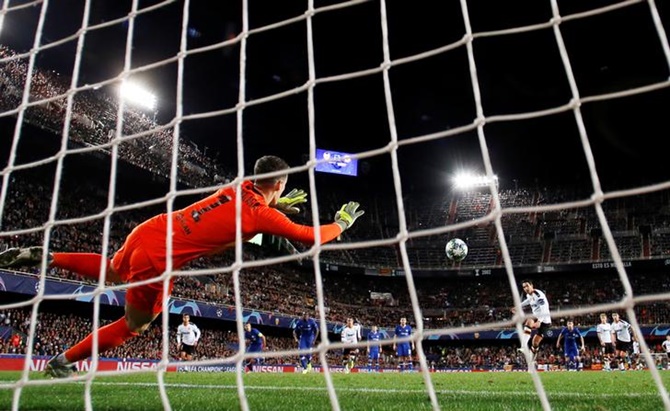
point(208, 226)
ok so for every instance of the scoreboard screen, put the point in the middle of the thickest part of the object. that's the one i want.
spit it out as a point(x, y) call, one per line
point(336, 162)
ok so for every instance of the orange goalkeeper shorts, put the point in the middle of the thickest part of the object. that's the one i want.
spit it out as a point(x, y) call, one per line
point(133, 264)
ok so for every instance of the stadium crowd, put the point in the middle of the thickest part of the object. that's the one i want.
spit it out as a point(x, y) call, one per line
point(641, 229)
point(56, 332)
point(94, 121)
point(288, 288)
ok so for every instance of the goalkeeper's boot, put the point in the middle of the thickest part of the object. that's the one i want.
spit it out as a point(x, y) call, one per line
point(56, 368)
point(309, 367)
point(23, 257)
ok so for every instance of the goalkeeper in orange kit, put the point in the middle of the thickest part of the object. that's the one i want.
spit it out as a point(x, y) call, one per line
point(203, 228)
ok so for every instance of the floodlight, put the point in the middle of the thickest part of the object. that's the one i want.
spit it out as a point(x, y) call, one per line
point(138, 95)
point(464, 181)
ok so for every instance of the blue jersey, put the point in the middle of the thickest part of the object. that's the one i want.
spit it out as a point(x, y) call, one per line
point(570, 341)
point(570, 338)
point(401, 331)
point(255, 340)
point(306, 331)
point(374, 338)
point(403, 348)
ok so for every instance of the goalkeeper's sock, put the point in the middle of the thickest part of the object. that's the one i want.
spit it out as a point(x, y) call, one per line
point(109, 336)
point(84, 264)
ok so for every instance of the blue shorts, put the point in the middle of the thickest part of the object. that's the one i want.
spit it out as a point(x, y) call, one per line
point(373, 354)
point(570, 352)
point(403, 350)
point(255, 348)
point(305, 344)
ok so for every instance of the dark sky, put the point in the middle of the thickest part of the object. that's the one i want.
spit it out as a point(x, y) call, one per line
point(517, 73)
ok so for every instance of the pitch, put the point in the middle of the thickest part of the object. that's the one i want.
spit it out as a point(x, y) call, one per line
point(589, 390)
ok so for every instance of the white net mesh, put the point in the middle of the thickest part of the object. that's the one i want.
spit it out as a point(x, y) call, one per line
point(357, 75)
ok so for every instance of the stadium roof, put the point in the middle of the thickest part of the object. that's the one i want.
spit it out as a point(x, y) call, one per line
point(517, 72)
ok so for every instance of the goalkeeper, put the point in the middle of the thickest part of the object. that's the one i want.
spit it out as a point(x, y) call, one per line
point(205, 227)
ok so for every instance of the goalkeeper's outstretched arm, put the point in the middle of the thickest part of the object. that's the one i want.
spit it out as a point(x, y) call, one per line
point(276, 223)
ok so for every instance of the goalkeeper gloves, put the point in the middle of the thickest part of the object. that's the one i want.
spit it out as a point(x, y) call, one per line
point(348, 214)
point(287, 204)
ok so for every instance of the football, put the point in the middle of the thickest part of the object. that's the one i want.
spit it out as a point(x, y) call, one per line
point(456, 249)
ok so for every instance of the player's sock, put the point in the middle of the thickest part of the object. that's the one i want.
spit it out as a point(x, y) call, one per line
point(525, 338)
point(84, 264)
point(109, 336)
point(303, 362)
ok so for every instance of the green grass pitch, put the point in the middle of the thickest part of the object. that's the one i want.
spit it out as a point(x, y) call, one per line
point(631, 390)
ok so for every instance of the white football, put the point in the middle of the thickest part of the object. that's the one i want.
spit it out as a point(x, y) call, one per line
point(456, 249)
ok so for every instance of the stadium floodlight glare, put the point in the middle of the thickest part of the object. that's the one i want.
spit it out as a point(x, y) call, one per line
point(138, 95)
point(464, 181)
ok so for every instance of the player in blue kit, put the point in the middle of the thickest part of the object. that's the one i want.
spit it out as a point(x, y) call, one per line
point(305, 333)
point(374, 348)
point(255, 343)
point(403, 349)
point(570, 335)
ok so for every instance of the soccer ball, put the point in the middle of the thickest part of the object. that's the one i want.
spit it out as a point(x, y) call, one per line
point(456, 249)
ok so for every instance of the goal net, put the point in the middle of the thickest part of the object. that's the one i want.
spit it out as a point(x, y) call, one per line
point(113, 112)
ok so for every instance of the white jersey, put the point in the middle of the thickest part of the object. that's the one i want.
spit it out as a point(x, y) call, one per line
point(622, 330)
point(539, 304)
point(357, 327)
point(188, 334)
point(349, 335)
point(666, 346)
point(604, 331)
point(636, 347)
